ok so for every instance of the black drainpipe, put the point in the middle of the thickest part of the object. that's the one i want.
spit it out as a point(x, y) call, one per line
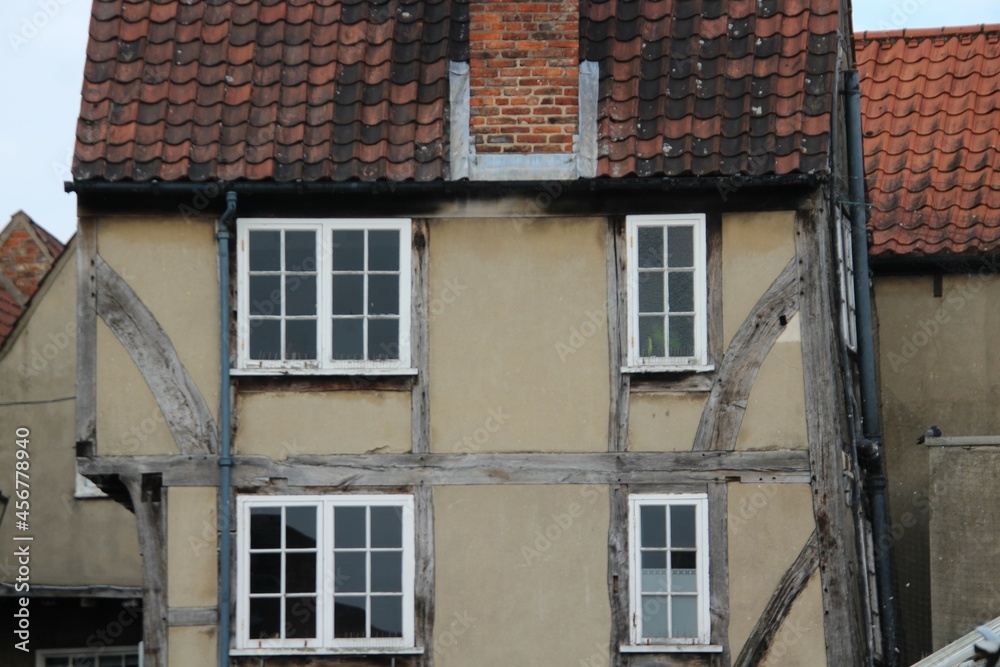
point(871, 443)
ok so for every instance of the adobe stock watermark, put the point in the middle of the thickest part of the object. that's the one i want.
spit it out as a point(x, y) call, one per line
point(560, 524)
point(594, 323)
point(475, 441)
point(40, 358)
point(33, 24)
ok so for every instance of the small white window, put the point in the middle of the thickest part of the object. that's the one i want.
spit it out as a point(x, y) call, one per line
point(324, 295)
point(325, 572)
point(845, 261)
point(89, 657)
point(668, 538)
point(667, 300)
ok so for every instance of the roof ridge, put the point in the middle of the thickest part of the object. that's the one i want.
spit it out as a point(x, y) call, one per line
point(928, 33)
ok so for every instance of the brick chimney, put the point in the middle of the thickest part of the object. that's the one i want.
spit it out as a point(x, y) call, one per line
point(27, 252)
point(524, 76)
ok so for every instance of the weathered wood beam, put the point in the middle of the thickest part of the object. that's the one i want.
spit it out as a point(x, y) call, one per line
point(789, 588)
point(420, 340)
point(617, 333)
point(86, 334)
point(718, 553)
point(713, 251)
point(151, 524)
point(386, 470)
point(184, 408)
point(424, 584)
point(826, 432)
point(618, 573)
point(723, 413)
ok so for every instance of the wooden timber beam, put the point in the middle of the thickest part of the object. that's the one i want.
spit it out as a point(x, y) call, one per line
point(150, 516)
point(387, 470)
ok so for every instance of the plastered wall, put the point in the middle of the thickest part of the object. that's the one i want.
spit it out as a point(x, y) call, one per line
point(521, 352)
point(77, 541)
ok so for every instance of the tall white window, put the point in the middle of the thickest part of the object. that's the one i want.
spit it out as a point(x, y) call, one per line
point(667, 299)
point(324, 295)
point(325, 572)
point(668, 538)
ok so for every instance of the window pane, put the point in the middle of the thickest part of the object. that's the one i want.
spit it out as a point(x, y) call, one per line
point(680, 246)
point(348, 295)
point(387, 616)
point(651, 292)
point(348, 251)
point(300, 527)
point(300, 295)
point(654, 616)
point(650, 247)
point(654, 572)
point(383, 339)
point(348, 339)
point(300, 572)
point(300, 618)
point(56, 662)
point(682, 336)
point(387, 572)
point(383, 250)
point(83, 661)
point(349, 617)
point(132, 661)
point(265, 251)
point(300, 339)
point(265, 295)
point(387, 527)
point(684, 618)
point(265, 527)
point(682, 525)
point(350, 572)
point(651, 337)
point(300, 251)
point(383, 295)
point(265, 339)
point(681, 292)
point(265, 573)
point(683, 572)
point(265, 618)
point(349, 527)
point(653, 520)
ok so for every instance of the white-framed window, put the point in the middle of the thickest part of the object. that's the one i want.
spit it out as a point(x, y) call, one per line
point(845, 262)
point(330, 573)
point(668, 553)
point(323, 295)
point(127, 656)
point(667, 292)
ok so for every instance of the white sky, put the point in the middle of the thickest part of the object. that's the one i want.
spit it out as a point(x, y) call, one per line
point(42, 46)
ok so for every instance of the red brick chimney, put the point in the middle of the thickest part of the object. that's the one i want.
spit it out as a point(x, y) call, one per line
point(524, 76)
point(27, 252)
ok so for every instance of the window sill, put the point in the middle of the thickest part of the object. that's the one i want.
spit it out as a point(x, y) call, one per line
point(670, 368)
point(275, 372)
point(328, 651)
point(670, 648)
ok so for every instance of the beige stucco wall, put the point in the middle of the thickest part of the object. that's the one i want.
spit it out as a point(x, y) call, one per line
point(286, 424)
point(768, 526)
point(192, 569)
point(939, 364)
point(195, 645)
point(755, 248)
point(664, 422)
point(171, 265)
point(77, 541)
point(519, 349)
point(775, 417)
point(521, 576)
point(799, 641)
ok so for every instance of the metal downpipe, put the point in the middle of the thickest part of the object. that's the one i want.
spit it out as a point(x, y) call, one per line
point(225, 459)
point(866, 365)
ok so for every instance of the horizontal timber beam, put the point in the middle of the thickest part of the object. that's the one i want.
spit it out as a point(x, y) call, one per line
point(388, 470)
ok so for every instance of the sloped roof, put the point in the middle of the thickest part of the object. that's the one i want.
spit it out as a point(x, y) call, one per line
point(931, 119)
point(357, 89)
point(10, 310)
point(23, 267)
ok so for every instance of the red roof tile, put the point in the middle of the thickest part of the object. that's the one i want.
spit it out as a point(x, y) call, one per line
point(931, 118)
point(350, 89)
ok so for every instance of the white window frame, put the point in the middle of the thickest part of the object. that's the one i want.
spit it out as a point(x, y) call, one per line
point(324, 643)
point(699, 360)
point(323, 365)
point(89, 653)
point(845, 261)
point(702, 642)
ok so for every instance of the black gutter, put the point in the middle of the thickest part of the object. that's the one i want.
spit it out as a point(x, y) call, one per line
point(871, 443)
point(984, 263)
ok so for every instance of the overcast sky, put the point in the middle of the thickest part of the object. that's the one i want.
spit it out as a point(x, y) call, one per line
point(41, 65)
